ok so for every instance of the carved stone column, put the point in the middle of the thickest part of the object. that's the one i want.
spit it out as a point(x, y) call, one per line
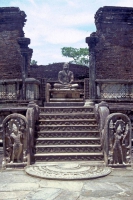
point(26, 53)
point(92, 41)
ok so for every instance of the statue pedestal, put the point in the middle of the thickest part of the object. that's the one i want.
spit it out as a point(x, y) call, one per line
point(66, 94)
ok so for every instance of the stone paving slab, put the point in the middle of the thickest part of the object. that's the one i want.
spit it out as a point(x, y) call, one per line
point(13, 195)
point(17, 185)
point(18, 176)
point(67, 195)
point(99, 189)
point(45, 193)
point(74, 186)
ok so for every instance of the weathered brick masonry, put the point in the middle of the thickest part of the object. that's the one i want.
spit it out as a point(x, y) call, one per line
point(50, 72)
point(112, 43)
point(13, 45)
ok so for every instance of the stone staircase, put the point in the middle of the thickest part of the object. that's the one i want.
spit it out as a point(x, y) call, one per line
point(67, 134)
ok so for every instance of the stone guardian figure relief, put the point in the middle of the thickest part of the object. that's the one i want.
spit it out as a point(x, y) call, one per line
point(117, 145)
point(15, 139)
point(117, 139)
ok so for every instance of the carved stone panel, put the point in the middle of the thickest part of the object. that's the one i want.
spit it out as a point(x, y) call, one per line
point(2, 92)
point(109, 91)
point(11, 91)
point(15, 139)
point(117, 139)
point(8, 91)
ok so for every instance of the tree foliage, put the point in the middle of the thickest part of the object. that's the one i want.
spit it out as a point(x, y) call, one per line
point(33, 62)
point(79, 56)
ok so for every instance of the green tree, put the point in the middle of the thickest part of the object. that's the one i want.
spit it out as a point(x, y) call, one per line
point(79, 56)
point(33, 62)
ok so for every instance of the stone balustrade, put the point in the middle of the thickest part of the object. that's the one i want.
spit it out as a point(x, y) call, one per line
point(114, 89)
point(16, 89)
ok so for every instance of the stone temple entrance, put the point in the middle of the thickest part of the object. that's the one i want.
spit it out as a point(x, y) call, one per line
point(71, 122)
point(67, 131)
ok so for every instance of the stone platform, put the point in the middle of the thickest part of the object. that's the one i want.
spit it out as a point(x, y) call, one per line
point(66, 93)
point(67, 170)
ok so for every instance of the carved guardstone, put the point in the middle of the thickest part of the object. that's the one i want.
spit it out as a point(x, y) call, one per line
point(117, 140)
point(15, 140)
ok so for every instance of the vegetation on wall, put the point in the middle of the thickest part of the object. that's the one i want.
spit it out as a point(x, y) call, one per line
point(33, 62)
point(79, 56)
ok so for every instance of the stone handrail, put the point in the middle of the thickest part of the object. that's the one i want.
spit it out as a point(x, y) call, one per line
point(32, 116)
point(101, 111)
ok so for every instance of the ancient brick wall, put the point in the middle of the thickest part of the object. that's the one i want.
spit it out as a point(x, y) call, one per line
point(11, 29)
point(50, 72)
point(114, 43)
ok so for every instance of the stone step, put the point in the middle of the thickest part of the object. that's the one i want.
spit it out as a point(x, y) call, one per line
point(63, 134)
point(58, 116)
point(67, 148)
point(66, 100)
point(1, 150)
point(67, 141)
point(68, 128)
point(68, 157)
point(69, 122)
point(63, 104)
point(66, 110)
point(67, 133)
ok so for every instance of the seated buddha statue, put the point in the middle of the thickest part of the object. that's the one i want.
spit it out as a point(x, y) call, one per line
point(65, 78)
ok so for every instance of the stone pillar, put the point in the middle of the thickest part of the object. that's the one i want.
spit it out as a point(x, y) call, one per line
point(32, 89)
point(26, 53)
point(91, 41)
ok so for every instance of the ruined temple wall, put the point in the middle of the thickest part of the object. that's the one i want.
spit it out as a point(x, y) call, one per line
point(114, 45)
point(50, 72)
point(11, 30)
point(10, 57)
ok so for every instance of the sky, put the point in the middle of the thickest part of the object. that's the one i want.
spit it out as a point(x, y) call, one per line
point(54, 24)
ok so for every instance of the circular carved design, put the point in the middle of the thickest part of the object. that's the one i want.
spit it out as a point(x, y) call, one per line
point(68, 171)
